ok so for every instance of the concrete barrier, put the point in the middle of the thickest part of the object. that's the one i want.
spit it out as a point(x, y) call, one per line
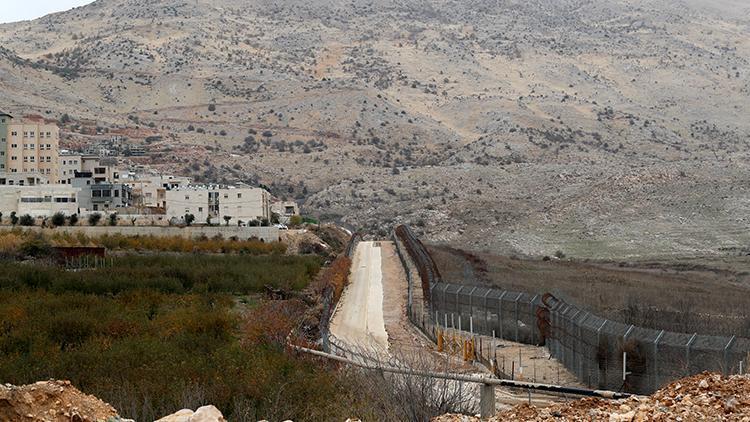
point(267, 234)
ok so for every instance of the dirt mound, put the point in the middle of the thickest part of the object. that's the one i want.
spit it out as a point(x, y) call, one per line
point(700, 397)
point(51, 401)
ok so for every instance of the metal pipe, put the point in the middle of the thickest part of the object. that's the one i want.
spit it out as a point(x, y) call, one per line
point(479, 379)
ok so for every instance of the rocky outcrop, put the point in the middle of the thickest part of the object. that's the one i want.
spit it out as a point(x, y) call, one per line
point(202, 414)
point(52, 401)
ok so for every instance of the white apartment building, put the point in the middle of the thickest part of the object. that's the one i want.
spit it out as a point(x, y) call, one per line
point(38, 201)
point(214, 202)
point(151, 191)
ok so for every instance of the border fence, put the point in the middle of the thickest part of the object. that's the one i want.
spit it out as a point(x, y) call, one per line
point(602, 353)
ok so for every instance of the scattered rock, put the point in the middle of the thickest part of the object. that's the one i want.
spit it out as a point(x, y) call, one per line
point(202, 414)
point(701, 397)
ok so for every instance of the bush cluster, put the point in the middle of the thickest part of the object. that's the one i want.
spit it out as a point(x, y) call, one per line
point(10, 241)
point(150, 353)
point(169, 274)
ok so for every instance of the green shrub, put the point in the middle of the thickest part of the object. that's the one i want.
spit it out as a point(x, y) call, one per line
point(94, 219)
point(26, 220)
point(73, 219)
point(58, 219)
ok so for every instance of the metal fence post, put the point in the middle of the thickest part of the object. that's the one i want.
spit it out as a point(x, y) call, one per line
point(458, 304)
point(726, 355)
point(656, 361)
point(500, 313)
point(516, 321)
point(486, 313)
point(532, 315)
point(598, 345)
point(471, 303)
point(581, 347)
point(687, 353)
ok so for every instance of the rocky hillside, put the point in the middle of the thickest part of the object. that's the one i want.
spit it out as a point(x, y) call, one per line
point(600, 128)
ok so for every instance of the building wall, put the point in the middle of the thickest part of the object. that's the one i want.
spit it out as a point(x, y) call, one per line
point(5, 120)
point(243, 204)
point(38, 201)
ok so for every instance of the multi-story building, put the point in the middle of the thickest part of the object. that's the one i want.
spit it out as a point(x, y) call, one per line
point(216, 203)
point(100, 195)
point(151, 191)
point(29, 151)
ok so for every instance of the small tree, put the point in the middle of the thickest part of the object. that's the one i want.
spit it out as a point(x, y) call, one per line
point(275, 218)
point(189, 218)
point(58, 219)
point(239, 223)
point(295, 220)
point(27, 220)
point(227, 219)
point(133, 220)
point(208, 220)
point(212, 107)
point(73, 219)
point(113, 219)
point(13, 218)
point(1, 218)
point(94, 219)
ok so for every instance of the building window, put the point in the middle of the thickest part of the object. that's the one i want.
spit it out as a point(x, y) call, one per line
point(49, 134)
point(100, 170)
point(14, 145)
point(117, 193)
point(14, 158)
point(187, 197)
point(239, 196)
point(107, 193)
point(96, 194)
point(200, 209)
point(31, 134)
point(14, 133)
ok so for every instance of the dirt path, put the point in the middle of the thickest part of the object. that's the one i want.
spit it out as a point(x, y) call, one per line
point(358, 319)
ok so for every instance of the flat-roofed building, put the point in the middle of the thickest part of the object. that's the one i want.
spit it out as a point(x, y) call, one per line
point(215, 203)
point(96, 195)
point(285, 210)
point(151, 191)
point(39, 200)
point(29, 147)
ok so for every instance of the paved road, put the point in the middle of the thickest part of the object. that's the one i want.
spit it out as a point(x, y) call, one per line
point(358, 319)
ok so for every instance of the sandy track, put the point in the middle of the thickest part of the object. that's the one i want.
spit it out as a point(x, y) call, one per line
point(358, 319)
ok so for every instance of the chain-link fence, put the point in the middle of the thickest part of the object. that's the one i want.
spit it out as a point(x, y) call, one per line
point(602, 353)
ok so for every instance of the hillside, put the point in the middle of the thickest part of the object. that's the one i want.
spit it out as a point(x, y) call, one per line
point(605, 129)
